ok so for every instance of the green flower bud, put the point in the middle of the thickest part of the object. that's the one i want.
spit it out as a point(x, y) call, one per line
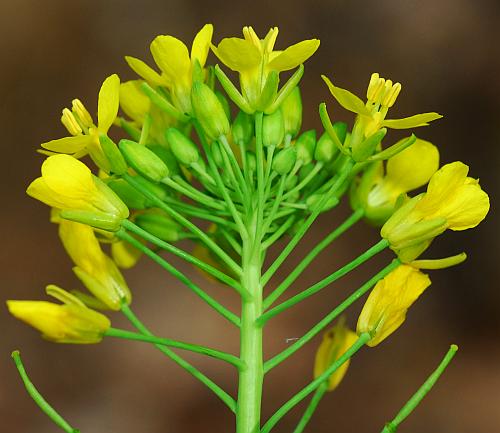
point(273, 129)
point(291, 108)
point(325, 149)
point(159, 225)
point(285, 160)
point(117, 164)
point(143, 160)
point(306, 145)
point(130, 196)
point(243, 128)
point(154, 188)
point(340, 129)
point(182, 147)
point(305, 170)
point(313, 200)
point(291, 182)
point(209, 111)
point(251, 161)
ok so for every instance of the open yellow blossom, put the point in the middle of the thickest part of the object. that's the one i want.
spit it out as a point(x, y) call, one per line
point(410, 169)
point(176, 64)
point(85, 134)
point(70, 322)
point(94, 268)
point(371, 116)
point(335, 343)
point(67, 184)
point(254, 59)
point(386, 307)
point(453, 201)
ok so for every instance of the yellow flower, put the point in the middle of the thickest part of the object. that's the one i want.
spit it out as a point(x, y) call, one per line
point(335, 343)
point(94, 268)
point(125, 255)
point(371, 116)
point(254, 59)
point(386, 307)
point(67, 184)
point(177, 65)
point(453, 201)
point(70, 322)
point(410, 169)
point(85, 134)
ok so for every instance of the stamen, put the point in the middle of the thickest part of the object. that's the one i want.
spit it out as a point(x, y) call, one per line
point(82, 113)
point(69, 121)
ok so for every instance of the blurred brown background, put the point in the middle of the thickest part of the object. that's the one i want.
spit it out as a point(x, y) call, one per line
point(447, 56)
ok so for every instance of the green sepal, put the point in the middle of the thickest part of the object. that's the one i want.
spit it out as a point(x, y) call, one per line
point(331, 131)
point(269, 92)
point(98, 220)
point(224, 102)
point(291, 108)
point(116, 162)
point(285, 91)
point(326, 150)
point(209, 111)
point(162, 103)
point(394, 149)
point(232, 91)
point(167, 157)
point(366, 148)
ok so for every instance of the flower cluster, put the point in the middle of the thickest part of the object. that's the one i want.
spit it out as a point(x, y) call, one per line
point(234, 179)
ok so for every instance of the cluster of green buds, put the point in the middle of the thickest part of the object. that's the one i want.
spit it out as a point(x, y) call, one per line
point(234, 179)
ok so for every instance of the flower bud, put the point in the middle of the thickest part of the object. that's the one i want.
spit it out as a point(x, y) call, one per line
point(291, 108)
point(115, 159)
point(305, 146)
point(167, 157)
point(132, 198)
point(143, 160)
point(243, 128)
point(182, 147)
point(209, 111)
point(160, 225)
point(386, 307)
point(325, 149)
point(273, 129)
point(284, 161)
point(336, 341)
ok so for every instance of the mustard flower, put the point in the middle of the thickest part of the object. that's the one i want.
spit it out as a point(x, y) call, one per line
point(377, 193)
point(255, 60)
point(177, 65)
point(336, 341)
point(386, 307)
point(97, 271)
point(69, 322)
point(453, 201)
point(67, 184)
point(85, 134)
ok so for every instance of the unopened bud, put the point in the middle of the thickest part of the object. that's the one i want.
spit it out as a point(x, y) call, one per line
point(130, 196)
point(182, 147)
point(143, 160)
point(159, 225)
point(242, 128)
point(285, 160)
point(209, 111)
point(273, 129)
point(291, 108)
point(306, 145)
point(326, 149)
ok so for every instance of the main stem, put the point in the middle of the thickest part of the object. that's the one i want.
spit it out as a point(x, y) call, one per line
point(251, 376)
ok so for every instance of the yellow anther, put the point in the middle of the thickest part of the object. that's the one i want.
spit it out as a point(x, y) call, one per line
point(250, 35)
point(375, 88)
point(69, 121)
point(81, 112)
point(372, 84)
point(270, 39)
point(391, 96)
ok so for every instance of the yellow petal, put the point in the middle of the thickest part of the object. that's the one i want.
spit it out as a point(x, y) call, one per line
point(39, 190)
point(294, 55)
point(171, 56)
point(386, 307)
point(238, 54)
point(346, 99)
point(107, 107)
point(68, 177)
point(133, 101)
point(145, 71)
point(124, 254)
point(413, 167)
point(412, 121)
point(74, 144)
point(201, 44)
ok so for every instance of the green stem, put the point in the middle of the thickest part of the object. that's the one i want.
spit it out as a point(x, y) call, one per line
point(223, 395)
point(251, 378)
point(179, 185)
point(312, 174)
point(278, 233)
point(379, 246)
point(304, 392)
point(229, 152)
point(304, 227)
point(415, 400)
point(38, 398)
point(186, 223)
point(330, 317)
point(130, 226)
point(224, 312)
point(127, 335)
point(311, 408)
point(349, 222)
